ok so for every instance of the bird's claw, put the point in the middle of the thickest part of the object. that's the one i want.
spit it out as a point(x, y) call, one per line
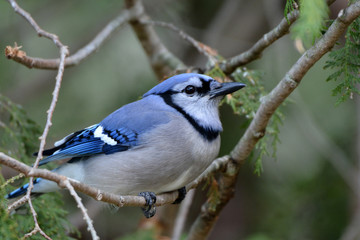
point(150, 200)
point(182, 194)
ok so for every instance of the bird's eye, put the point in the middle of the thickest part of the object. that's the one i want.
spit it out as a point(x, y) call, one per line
point(190, 89)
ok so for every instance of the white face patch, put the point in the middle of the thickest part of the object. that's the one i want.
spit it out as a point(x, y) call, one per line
point(200, 107)
point(105, 138)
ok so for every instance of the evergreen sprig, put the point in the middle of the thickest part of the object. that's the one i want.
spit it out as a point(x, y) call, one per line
point(311, 22)
point(246, 103)
point(19, 138)
point(346, 62)
point(289, 7)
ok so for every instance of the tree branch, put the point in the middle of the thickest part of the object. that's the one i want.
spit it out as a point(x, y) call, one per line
point(120, 201)
point(291, 80)
point(82, 208)
point(161, 59)
point(36, 27)
point(63, 53)
point(201, 47)
point(206, 220)
point(229, 65)
point(53, 64)
point(182, 214)
point(208, 216)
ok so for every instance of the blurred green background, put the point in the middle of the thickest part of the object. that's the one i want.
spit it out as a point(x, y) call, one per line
point(300, 195)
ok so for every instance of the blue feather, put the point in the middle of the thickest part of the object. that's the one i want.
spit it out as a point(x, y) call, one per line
point(21, 190)
point(85, 143)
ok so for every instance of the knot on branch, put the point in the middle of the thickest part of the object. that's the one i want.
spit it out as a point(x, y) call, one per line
point(63, 182)
point(290, 82)
point(232, 167)
point(259, 134)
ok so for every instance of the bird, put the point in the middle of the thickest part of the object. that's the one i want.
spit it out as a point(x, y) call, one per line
point(157, 144)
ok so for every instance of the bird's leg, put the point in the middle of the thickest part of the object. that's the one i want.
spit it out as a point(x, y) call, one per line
point(150, 199)
point(182, 194)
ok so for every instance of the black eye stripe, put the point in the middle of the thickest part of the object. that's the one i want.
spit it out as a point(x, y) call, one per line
point(205, 87)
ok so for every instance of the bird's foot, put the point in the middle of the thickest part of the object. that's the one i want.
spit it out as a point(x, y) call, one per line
point(182, 194)
point(150, 199)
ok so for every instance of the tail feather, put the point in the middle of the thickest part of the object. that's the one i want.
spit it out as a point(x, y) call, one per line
point(21, 190)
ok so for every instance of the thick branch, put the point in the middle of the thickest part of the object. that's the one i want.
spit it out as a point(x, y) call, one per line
point(161, 59)
point(291, 80)
point(209, 211)
point(256, 130)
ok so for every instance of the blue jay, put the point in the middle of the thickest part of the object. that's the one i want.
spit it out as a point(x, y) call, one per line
point(154, 145)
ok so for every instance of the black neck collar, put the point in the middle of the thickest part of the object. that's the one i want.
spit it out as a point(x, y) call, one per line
point(208, 133)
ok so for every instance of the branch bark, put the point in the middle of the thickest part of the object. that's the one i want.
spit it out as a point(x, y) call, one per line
point(80, 55)
point(292, 78)
point(200, 47)
point(209, 214)
point(228, 66)
point(161, 59)
point(206, 220)
point(82, 208)
point(117, 200)
point(182, 215)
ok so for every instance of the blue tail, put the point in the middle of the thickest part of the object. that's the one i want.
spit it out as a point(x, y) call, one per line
point(21, 191)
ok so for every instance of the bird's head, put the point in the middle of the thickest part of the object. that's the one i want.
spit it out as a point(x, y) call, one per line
point(191, 87)
point(196, 96)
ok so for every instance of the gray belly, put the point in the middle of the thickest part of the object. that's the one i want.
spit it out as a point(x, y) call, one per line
point(164, 162)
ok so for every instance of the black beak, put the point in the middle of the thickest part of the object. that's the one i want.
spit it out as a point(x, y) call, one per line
point(226, 88)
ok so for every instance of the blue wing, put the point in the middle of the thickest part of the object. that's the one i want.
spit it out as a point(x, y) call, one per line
point(91, 141)
point(117, 132)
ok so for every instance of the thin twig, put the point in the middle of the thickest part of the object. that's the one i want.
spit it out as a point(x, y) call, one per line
point(63, 53)
point(36, 27)
point(81, 206)
point(229, 65)
point(182, 214)
point(202, 48)
point(37, 228)
point(80, 55)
